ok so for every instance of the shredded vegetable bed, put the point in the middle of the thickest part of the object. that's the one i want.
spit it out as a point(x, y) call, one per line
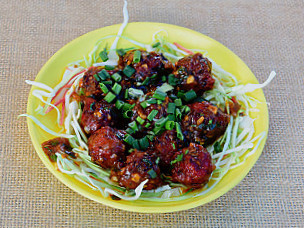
point(228, 152)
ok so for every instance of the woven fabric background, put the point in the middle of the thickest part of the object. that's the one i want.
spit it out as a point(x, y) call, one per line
point(267, 35)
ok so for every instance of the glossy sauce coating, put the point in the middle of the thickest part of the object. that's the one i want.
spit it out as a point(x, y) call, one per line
point(139, 167)
point(193, 167)
point(57, 145)
point(204, 123)
point(106, 148)
point(194, 71)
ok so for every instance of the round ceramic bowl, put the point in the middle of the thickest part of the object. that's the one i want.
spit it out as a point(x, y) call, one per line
point(52, 71)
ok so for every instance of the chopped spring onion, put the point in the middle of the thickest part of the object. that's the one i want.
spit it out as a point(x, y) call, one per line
point(109, 97)
point(128, 71)
point(152, 173)
point(144, 104)
point(144, 143)
point(109, 67)
point(148, 125)
point(126, 96)
point(103, 74)
point(178, 114)
point(159, 95)
point(116, 77)
point(161, 122)
point(135, 92)
point(178, 158)
point(104, 55)
point(116, 88)
point(119, 104)
point(140, 120)
point(128, 114)
point(152, 101)
point(178, 102)
point(172, 80)
point(103, 87)
point(171, 117)
point(171, 108)
point(96, 77)
point(146, 81)
point(155, 45)
point(136, 56)
point(179, 131)
point(126, 107)
point(165, 88)
point(121, 52)
point(152, 114)
point(133, 126)
point(190, 95)
point(169, 125)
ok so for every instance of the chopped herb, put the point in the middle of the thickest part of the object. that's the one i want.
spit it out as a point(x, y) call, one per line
point(161, 122)
point(103, 87)
point(172, 80)
point(152, 101)
point(179, 131)
point(140, 120)
point(128, 71)
point(152, 173)
point(217, 147)
point(109, 67)
point(159, 95)
point(171, 108)
point(96, 77)
point(173, 146)
point(144, 143)
point(157, 160)
point(116, 88)
point(190, 95)
point(109, 97)
point(152, 114)
point(178, 102)
point(119, 104)
point(92, 105)
point(133, 126)
point(135, 92)
point(121, 52)
point(147, 125)
point(164, 78)
point(81, 92)
point(116, 77)
point(146, 81)
point(186, 152)
point(103, 55)
point(144, 104)
point(103, 74)
point(178, 158)
point(210, 121)
point(165, 88)
point(136, 56)
point(169, 125)
point(155, 45)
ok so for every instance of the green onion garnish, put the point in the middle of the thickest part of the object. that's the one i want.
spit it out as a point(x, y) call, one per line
point(155, 44)
point(151, 101)
point(171, 117)
point(172, 80)
point(144, 104)
point(109, 97)
point(103, 55)
point(152, 173)
point(119, 104)
point(126, 107)
point(146, 81)
point(121, 52)
point(81, 92)
point(144, 143)
point(190, 95)
point(136, 56)
point(179, 131)
point(178, 102)
point(217, 147)
point(164, 78)
point(126, 94)
point(161, 122)
point(157, 160)
point(103, 88)
point(96, 77)
point(135, 92)
point(129, 139)
point(128, 71)
point(173, 146)
point(129, 131)
point(171, 108)
point(178, 114)
point(152, 114)
point(157, 130)
point(116, 88)
point(159, 95)
point(150, 137)
point(165, 88)
point(133, 126)
point(169, 125)
point(107, 82)
point(148, 125)
point(103, 74)
point(116, 77)
point(140, 120)
point(109, 67)
point(178, 158)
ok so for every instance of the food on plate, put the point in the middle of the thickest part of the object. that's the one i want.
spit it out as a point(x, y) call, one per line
point(155, 121)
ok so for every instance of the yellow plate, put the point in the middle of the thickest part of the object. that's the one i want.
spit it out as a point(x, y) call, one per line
point(51, 73)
